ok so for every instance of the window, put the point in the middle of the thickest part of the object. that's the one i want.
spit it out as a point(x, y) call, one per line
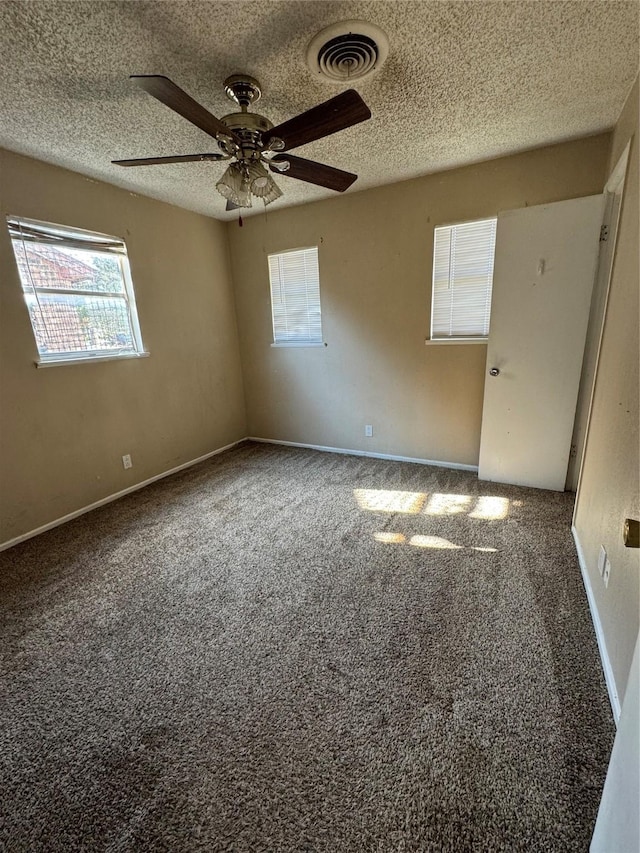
point(78, 289)
point(462, 279)
point(295, 298)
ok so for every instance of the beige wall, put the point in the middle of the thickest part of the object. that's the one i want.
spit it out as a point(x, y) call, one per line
point(375, 250)
point(609, 488)
point(63, 430)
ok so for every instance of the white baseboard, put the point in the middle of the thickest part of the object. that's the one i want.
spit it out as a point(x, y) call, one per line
point(457, 465)
point(597, 624)
point(110, 498)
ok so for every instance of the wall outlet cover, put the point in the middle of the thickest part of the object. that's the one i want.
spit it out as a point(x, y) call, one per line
point(368, 431)
point(602, 558)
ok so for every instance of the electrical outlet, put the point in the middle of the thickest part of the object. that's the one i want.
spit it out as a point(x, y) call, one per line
point(368, 431)
point(607, 572)
point(602, 559)
point(126, 461)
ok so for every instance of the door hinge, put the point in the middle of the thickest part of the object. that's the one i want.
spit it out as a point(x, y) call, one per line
point(604, 233)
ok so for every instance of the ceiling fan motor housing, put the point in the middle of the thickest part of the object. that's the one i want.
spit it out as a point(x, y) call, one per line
point(249, 127)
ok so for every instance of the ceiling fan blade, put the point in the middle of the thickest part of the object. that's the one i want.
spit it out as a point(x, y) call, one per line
point(179, 158)
point(315, 173)
point(338, 113)
point(172, 96)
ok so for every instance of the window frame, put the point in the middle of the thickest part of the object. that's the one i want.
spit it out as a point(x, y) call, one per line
point(293, 342)
point(45, 233)
point(461, 338)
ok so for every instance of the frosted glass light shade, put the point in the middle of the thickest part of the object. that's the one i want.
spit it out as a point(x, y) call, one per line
point(235, 185)
point(262, 184)
point(244, 178)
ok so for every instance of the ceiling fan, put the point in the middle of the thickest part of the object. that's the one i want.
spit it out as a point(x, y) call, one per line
point(251, 141)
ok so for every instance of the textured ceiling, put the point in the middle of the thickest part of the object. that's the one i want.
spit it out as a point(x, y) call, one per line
point(464, 81)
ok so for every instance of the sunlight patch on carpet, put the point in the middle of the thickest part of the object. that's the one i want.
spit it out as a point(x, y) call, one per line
point(484, 507)
point(391, 538)
point(420, 541)
point(440, 504)
point(490, 508)
point(433, 542)
point(385, 500)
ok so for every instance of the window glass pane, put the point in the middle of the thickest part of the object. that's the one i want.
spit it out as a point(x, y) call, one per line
point(78, 290)
point(463, 259)
point(69, 323)
point(295, 296)
point(42, 265)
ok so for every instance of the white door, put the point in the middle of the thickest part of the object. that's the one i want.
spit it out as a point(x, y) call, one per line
point(612, 206)
point(543, 277)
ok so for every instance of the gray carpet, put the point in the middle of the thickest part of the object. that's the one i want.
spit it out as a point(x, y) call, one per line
point(267, 653)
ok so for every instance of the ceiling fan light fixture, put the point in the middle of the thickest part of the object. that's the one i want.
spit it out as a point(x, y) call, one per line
point(262, 184)
point(269, 192)
point(235, 185)
point(245, 179)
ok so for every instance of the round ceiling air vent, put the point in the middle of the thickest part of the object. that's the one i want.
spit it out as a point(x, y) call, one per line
point(349, 51)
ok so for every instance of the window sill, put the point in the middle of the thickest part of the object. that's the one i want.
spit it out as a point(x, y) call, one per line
point(298, 344)
point(92, 359)
point(448, 341)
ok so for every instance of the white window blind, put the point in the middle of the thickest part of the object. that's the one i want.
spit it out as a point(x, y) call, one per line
point(78, 289)
point(295, 297)
point(463, 258)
